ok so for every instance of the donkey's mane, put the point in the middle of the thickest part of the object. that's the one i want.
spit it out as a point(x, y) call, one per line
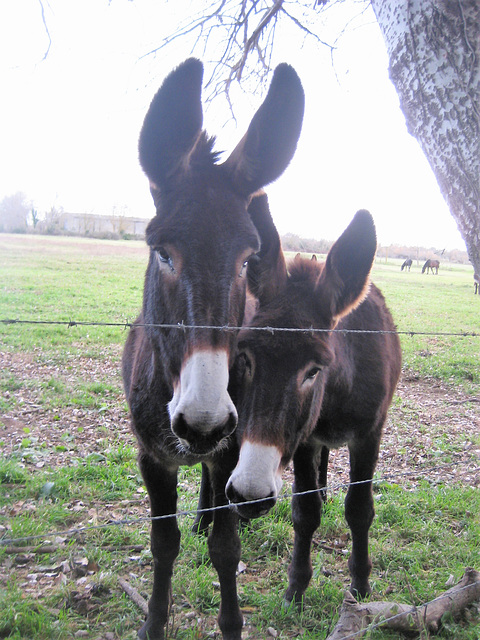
point(303, 270)
point(203, 155)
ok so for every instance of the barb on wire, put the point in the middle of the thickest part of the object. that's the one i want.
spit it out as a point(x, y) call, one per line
point(272, 330)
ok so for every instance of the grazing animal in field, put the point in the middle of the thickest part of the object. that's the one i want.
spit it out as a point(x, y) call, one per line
point(406, 265)
point(432, 265)
point(200, 240)
point(476, 284)
point(302, 393)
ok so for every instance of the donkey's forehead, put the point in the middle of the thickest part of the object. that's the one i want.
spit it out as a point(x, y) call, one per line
point(202, 213)
point(289, 327)
point(284, 342)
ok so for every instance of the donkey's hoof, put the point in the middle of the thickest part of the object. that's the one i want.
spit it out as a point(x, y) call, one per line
point(148, 632)
point(292, 602)
point(200, 527)
point(360, 590)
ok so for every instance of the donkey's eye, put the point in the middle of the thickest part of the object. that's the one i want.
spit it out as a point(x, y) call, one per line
point(164, 257)
point(312, 373)
point(245, 265)
point(242, 270)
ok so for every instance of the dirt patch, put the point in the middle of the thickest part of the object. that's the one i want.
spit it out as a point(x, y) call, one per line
point(432, 431)
point(69, 245)
point(432, 434)
point(49, 437)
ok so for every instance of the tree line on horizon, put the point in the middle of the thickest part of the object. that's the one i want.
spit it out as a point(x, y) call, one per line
point(18, 216)
point(294, 243)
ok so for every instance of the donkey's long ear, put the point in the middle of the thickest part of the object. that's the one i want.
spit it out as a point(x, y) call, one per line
point(173, 122)
point(266, 272)
point(265, 151)
point(344, 282)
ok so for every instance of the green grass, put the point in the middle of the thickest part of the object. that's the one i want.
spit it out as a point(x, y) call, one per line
point(434, 304)
point(65, 279)
point(419, 539)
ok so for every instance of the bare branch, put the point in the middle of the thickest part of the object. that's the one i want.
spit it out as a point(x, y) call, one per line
point(133, 594)
point(46, 30)
point(253, 41)
point(245, 32)
point(308, 32)
point(199, 22)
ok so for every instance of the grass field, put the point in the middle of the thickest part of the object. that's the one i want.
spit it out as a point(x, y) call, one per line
point(68, 461)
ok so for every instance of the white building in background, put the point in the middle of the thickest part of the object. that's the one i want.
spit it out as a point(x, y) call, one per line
point(88, 224)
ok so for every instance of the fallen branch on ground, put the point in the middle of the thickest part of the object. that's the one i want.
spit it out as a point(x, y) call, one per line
point(52, 548)
point(49, 548)
point(355, 616)
point(134, 596)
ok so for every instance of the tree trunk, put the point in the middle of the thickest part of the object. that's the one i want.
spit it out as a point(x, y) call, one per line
point(434, 52)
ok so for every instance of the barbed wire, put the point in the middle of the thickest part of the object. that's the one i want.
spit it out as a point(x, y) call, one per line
point(193, 512)
point(184, 327)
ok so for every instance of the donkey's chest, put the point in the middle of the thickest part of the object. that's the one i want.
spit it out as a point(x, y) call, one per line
point(332, 435)
point(341, 420)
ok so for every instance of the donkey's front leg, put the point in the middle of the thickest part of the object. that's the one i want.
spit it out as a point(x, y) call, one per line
point(322, 472)
point(359, 511)
point(161, 485)
point(225, 549)
point(203, 519)
point(306, 514)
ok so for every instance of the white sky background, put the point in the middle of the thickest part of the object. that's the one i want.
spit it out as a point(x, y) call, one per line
point(69, 125)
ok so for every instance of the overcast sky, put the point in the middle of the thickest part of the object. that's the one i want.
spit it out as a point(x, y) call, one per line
point(69, 124)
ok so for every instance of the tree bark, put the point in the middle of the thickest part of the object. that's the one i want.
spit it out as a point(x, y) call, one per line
point(434, 52)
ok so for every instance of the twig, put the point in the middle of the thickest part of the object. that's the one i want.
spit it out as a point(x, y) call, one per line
point(52, 548)
point(44, 20)
point(134, 596)
point(48, 548)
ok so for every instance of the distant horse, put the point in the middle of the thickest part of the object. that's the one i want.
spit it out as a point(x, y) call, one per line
point(299, 394)
point(406, 265)
point(176, 381)
point(431, 264)
point(476, 283)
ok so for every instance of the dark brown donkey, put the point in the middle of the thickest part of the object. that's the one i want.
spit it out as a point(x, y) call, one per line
point(200, 240)
point(303, 393)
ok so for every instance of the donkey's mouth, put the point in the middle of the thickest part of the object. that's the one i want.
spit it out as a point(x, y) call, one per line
point(202, 445)
point(254, 508)
point(198, 440)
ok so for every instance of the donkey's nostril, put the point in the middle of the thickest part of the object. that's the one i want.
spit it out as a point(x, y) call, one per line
point(180, 427)
point(232, 494)
point(246, 508)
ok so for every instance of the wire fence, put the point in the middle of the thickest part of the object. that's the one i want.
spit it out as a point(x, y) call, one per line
point(193, 512)
point(268, 329)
